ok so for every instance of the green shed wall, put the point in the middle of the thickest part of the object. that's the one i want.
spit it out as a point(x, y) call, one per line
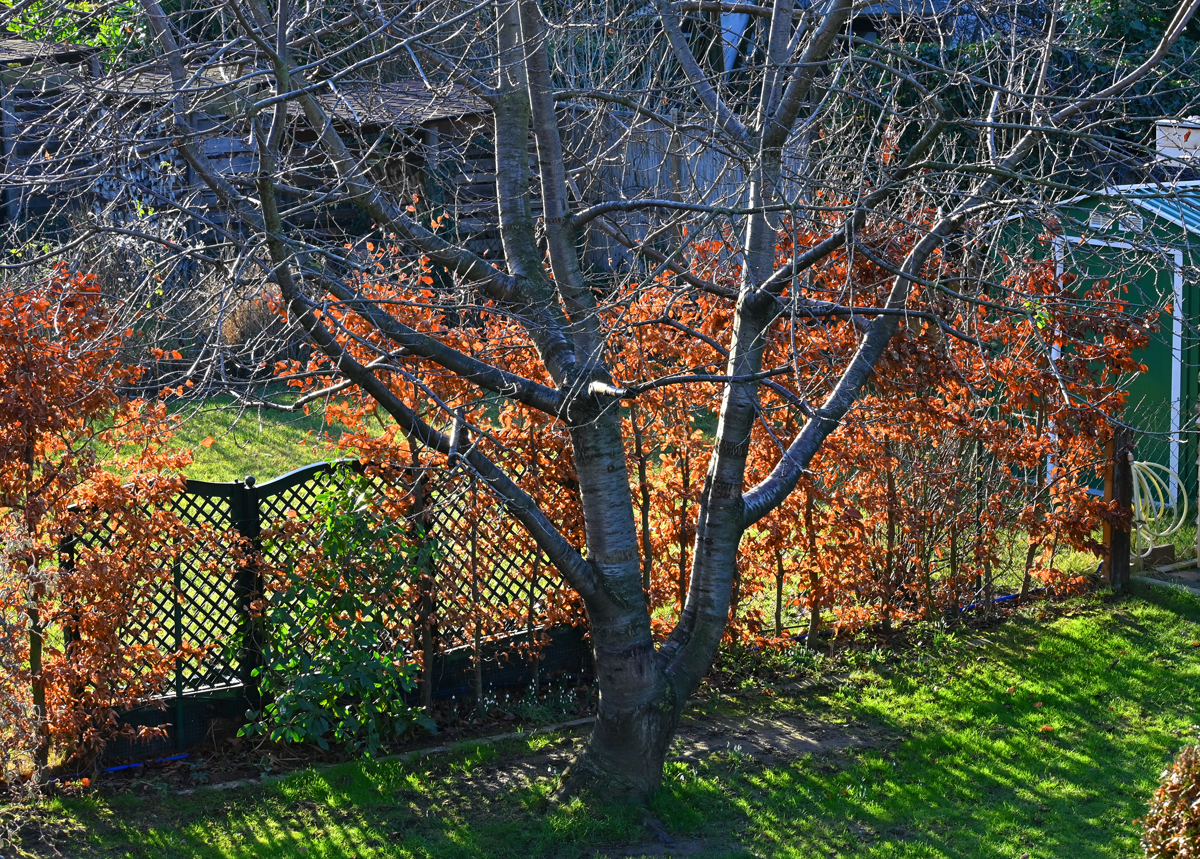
point(1146, 281)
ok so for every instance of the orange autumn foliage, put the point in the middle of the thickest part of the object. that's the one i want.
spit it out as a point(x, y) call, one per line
point(957, 448)
point(68, 661)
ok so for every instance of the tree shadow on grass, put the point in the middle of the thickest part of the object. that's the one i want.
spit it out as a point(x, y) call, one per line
point(973, 774)
point(977, 775)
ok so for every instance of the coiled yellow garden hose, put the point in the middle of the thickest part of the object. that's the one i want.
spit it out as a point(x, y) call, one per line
point(1155, 516)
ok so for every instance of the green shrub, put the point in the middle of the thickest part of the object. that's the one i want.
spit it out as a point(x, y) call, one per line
point(1172, 826)
point(335, 669)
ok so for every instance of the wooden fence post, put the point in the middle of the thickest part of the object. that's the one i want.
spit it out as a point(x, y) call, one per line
point(534, 656)
point(477, 605)
point(426, 585)
point(1118, 486)
point(247, 520)
point(177, 617)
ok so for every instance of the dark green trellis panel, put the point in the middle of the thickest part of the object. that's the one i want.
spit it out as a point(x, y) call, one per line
point(212, 611)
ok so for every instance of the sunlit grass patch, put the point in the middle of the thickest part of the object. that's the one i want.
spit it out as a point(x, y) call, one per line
point(964, 763)
point(229, 442)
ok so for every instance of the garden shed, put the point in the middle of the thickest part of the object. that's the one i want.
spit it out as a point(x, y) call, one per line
point(425, 139)
point(32, 78)
point(1145, 239)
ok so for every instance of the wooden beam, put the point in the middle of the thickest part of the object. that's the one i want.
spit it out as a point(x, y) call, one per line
point(1118, 486)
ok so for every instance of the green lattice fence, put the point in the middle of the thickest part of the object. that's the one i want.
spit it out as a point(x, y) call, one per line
point(482, 622)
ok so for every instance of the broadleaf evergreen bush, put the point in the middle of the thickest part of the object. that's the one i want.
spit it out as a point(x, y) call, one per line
point(334, 668)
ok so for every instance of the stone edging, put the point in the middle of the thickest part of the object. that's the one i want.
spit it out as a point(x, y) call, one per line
point(1160, 583)
point(266, 778)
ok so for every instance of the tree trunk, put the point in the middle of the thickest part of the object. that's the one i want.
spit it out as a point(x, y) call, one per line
point(1034, 542)
point(814, 577)
point(639, 453)
point(37, 680)
point(778, 593)
point(890, 559)
point(624, 755)
point(683, 520)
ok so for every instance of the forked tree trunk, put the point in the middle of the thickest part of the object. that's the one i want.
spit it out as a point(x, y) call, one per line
point(642, 688)
point(627, 749)
point(638, 708)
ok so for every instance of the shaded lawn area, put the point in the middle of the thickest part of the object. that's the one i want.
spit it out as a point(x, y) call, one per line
point(959, 767)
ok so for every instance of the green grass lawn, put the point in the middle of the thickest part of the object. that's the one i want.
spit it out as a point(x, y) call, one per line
point(959, 766)
point(257, 442)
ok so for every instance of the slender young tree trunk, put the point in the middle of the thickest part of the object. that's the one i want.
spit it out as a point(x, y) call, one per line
point(925, 559)
point(1034, 543)
point(814, 577)
point(534, 575)
point(683, 520)
point(535, 658)
point(954, 584)
point(35, 593)
point(37, 679)
point(426, 583)
point(977, 469)
point(814, 608)
point(639, 453)
point(778, 593)
point(890, 559)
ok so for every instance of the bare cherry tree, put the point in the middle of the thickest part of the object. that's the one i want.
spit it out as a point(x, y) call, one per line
point(528, 160)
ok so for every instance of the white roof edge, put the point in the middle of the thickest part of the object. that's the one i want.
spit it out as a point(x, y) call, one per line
point(1116, 190)
point(1186, 183)
point(1160, 214)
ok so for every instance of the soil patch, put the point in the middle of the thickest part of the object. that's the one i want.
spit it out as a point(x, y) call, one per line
point(680, 849)
point(767, 739)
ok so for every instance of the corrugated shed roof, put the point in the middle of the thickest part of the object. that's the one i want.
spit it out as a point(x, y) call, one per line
point(407, 102)
point(356, 103)
point(1179, 204)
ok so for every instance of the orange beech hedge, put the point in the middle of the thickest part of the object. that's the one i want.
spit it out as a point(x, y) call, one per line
point(67, 662)
point(962, 444)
